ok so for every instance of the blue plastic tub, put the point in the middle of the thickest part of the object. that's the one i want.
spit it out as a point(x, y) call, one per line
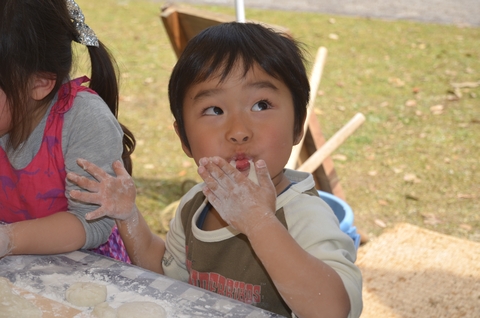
point(344, 214)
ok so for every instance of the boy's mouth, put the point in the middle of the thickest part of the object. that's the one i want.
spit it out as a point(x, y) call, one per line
point(242, 164)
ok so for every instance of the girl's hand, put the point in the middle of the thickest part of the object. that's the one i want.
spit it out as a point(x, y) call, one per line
point(5, 241)
point(115, 195)
point(240, 202)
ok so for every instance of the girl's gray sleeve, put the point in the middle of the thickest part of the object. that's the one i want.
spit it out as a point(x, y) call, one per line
point(90, 132)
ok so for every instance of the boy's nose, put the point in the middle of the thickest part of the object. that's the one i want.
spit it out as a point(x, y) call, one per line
point(239, 132)
point(239, 139)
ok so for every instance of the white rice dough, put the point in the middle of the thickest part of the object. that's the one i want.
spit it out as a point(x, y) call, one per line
point(13, 305)
point(103, 310)
point(252, 174)
point(141, 309)
point(86, 294)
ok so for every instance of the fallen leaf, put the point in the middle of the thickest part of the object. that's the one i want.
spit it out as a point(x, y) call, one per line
point(410, 177)
point(396, 82)
point(149, 166)
point(466, 227)
point(382, 202)
point(397, 170)
point(465, 196)
point(187, 164)
point(372, 173)
point(380, 223)
point(411, 103)
point(333, 36)
point(437, 109)
point(431, 219)
point(466, 84)
point(182, 173)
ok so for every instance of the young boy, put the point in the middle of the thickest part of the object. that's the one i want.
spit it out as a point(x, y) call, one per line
point(239, 94)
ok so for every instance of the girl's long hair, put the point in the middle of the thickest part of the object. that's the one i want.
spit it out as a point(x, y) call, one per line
point(36, 39)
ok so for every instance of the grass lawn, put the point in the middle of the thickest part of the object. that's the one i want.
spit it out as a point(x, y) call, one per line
point(416, 157)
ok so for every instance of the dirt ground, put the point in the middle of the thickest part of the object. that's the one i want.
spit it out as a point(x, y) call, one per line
point(412, 272)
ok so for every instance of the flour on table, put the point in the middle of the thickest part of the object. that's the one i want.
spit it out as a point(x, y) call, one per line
point(86, 294)
point(13, 305)
point(141, 309)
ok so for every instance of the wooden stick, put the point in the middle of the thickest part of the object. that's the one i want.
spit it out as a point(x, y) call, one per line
point(316, 159)
point(315, 78)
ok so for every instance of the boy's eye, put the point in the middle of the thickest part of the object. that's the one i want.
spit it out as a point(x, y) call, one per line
point(213, 111)
point(261, 105)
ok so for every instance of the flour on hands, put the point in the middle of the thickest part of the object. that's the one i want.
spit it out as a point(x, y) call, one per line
point(242, 203)
point(114, 195)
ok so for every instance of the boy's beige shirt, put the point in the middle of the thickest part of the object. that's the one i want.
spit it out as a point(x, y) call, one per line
point(309, 220)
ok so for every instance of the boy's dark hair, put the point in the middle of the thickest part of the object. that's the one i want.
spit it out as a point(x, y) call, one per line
point(36, 38)
point(218, 48)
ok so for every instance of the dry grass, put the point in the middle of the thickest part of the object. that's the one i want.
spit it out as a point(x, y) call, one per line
point(414, 160)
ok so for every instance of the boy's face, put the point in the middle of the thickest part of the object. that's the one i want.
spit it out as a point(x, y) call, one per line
point(243, 118)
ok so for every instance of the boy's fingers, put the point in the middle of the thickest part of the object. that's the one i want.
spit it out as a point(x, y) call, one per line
point(262, 173)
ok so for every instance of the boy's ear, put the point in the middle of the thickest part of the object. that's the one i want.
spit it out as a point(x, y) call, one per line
point(41, 87)
point(184, 147)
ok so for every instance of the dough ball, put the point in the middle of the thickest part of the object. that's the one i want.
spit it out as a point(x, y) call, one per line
point(141, 309)
point(104, 310)
point(86, 294)
point(13, 305)
point(252, 174)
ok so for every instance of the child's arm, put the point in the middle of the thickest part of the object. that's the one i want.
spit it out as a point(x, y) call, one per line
point(308, 285)
point(42, 236)
point(116, 198)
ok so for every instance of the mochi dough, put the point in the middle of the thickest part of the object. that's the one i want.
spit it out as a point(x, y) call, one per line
point(13, 305)
point(103, 310)
point(141, 309)
point(252, 173)
point(86, 294)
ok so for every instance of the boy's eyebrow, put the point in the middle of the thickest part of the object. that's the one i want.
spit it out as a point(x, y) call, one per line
point(263, 84)
point(213, 91)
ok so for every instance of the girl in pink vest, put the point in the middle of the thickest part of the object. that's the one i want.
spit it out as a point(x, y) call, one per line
point(47, 121)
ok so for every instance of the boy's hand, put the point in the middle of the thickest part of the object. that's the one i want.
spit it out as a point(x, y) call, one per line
point(115, 195)
point(240, 202)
